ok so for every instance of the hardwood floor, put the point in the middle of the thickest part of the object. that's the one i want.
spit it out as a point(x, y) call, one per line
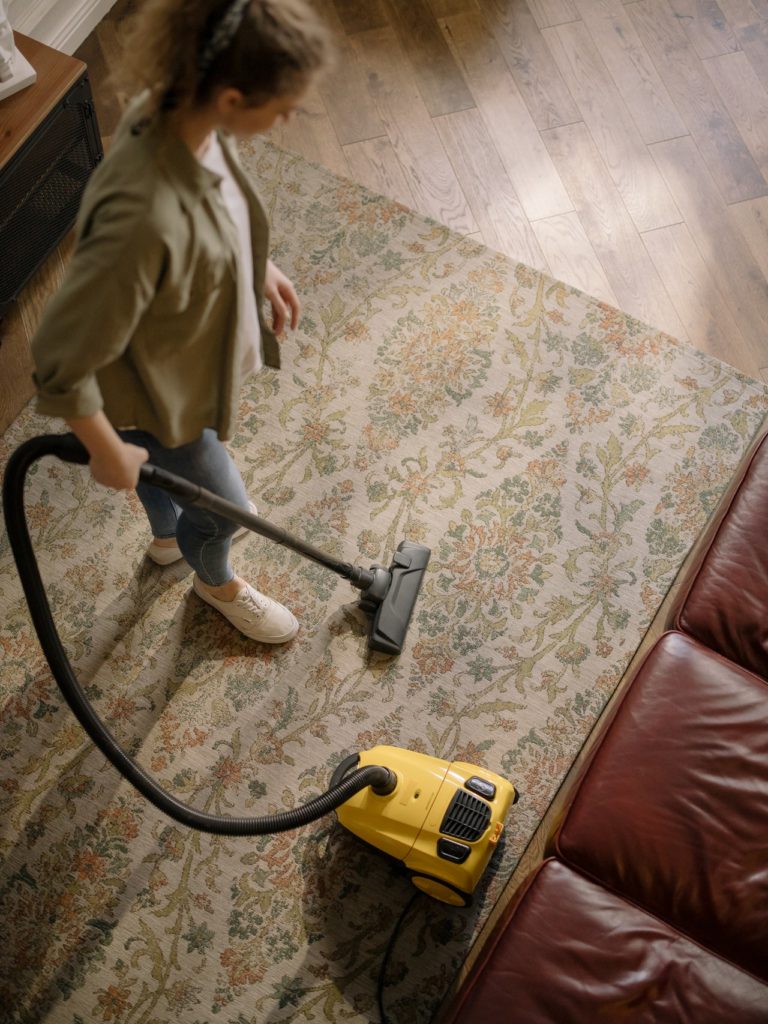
point(620, 147)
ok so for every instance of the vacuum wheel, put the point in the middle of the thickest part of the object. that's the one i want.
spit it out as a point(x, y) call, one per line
point(441, 891)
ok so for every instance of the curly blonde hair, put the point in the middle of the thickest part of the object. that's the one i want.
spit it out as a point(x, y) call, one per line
point(276, 49)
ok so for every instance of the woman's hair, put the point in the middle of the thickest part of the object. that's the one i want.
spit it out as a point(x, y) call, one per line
point(183, 51)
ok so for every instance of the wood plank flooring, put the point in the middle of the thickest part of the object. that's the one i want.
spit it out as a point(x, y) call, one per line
point(621, 147)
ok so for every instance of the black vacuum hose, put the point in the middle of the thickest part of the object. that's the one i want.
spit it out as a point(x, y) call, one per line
point(67, 447)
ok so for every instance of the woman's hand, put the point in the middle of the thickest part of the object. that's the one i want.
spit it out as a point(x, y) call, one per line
point(113, 462)
point(120, 468)
point(282, 297)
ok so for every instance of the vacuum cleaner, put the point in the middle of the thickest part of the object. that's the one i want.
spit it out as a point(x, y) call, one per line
point(442, 820)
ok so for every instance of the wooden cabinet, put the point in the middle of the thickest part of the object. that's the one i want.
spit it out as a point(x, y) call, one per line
point(49, 145)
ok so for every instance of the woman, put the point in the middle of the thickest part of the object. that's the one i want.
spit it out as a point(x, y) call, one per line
point(143, 349)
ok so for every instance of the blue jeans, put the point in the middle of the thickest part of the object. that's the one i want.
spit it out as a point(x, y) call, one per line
point(204, 538)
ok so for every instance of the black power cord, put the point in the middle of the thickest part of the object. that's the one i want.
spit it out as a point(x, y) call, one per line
point(388, 952)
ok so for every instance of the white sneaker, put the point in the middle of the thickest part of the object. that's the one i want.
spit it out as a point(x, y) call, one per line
point(256, 616)
point(167, 554)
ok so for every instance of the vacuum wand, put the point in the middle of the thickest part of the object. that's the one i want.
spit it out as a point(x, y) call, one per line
point(192, 494)
point(388, 596)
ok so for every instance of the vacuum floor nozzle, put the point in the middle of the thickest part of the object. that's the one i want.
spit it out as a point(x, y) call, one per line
point(388, 596)
point(391, 613)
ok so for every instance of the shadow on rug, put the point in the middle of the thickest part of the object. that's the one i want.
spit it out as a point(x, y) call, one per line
point(558, 457)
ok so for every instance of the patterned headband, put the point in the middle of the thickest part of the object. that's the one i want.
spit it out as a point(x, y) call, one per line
point(223, 33)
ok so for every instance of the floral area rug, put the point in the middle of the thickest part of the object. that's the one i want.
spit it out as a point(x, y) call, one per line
point(558, 457)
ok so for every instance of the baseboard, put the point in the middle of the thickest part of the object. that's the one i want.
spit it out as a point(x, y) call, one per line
point(62, 24)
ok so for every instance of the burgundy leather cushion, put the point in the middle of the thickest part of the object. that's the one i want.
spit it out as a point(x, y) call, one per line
point(727, 605)
point(575, 953)
point(673, 810)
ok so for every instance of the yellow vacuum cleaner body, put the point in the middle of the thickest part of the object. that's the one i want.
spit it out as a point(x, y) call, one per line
point(443, 819)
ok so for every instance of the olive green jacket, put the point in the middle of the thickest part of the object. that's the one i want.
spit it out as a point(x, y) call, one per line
point(144, 325)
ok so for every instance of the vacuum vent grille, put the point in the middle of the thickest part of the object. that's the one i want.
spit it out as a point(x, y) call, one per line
point(467, 817)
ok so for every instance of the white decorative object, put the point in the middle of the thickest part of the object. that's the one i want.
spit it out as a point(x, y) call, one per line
point(15, 70)
point(7, 46)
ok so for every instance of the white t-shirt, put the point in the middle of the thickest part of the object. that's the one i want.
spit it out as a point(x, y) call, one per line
point(236, 206)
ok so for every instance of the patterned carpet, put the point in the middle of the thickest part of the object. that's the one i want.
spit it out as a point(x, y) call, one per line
point(558, 456)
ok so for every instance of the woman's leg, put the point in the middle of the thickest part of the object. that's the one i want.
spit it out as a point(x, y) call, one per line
point(162, 511)
point(205, 538)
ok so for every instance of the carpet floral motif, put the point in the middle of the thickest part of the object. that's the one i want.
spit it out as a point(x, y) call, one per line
point(559, 457)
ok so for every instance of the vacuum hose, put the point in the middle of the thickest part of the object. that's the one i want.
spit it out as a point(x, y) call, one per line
point(381, 779)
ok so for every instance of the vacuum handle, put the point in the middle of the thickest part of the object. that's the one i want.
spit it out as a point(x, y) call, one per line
point(193, 494)
point(68, 448)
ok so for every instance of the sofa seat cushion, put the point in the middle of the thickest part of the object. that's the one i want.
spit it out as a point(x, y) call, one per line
point(574, 951)
point(672, 811)
point(725, 607)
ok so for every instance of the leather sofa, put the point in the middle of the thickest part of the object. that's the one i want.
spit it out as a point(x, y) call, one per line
point(651, 902)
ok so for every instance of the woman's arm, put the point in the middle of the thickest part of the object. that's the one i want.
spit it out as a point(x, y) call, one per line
point(88, 323)
point(113, 463)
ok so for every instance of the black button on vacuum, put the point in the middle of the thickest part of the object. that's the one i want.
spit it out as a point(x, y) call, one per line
point(449, 849)
point(481, 786)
